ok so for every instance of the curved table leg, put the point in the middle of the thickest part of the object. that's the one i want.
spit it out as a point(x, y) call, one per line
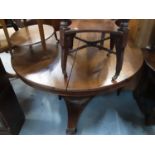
point(75, 106)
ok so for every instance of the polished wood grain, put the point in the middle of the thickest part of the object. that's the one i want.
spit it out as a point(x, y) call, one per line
point(2, 21)
point(41, 69)
point(30, 35)
point(118, 31)
point(55, 23)
point(89, 70)
point(94, 24)
point(93, 69)
point(5, 43)
point(42, 34)
point(6, 47)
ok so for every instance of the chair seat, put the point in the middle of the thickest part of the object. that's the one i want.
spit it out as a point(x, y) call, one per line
point(94, 25)
point(118, 38)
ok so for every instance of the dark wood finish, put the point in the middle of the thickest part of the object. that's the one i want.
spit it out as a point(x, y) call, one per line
point(55, 23)
point(89, 72)
point(52, 22)
point(30, 35)
point(4, 26)
point(5, 44)
point(145, 91)
point(75, 105)
point(41, 69)
point(42, 35)
point(10, 23)
point(118, 34)
point(11, 115)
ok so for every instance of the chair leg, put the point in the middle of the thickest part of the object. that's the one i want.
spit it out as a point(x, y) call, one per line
point(119, 62)
point(64, 62)
point(120, 44)
point(14, 25)
point(56, 37)
point(102, 39)
point(70, 41)
point(112, 43)
point(42, 36)
point(6, 34)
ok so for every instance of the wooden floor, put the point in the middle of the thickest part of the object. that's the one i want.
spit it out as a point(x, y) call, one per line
point(89, 70)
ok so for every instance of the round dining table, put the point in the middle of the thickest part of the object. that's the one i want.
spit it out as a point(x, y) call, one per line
point(89, 72)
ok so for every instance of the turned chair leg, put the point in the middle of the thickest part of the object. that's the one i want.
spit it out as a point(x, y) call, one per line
point(119, 63)
point(112, 43)
point(56, 37)
point(64, 62)
point(119, 56)
point(102, 39)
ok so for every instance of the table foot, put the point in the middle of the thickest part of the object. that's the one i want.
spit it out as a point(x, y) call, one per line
point(71, 131)
point(75, 105)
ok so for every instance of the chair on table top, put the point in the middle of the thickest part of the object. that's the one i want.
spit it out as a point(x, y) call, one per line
point(53, 22)
point(117, 30)
point(4, 24)
point(30, 31)
point(119, 23)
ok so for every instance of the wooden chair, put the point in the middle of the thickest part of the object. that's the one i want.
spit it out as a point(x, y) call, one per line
point(28, 34)
point(5, 44)
point(53, 22)
point(119, 23)
point(41, 31)
point(118, 38)
point(10, 23)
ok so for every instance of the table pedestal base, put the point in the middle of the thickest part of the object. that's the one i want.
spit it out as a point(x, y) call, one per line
point(75, 106)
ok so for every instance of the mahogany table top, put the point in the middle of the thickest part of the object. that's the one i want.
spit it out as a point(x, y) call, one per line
point(94, 24)
point(89, 70)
